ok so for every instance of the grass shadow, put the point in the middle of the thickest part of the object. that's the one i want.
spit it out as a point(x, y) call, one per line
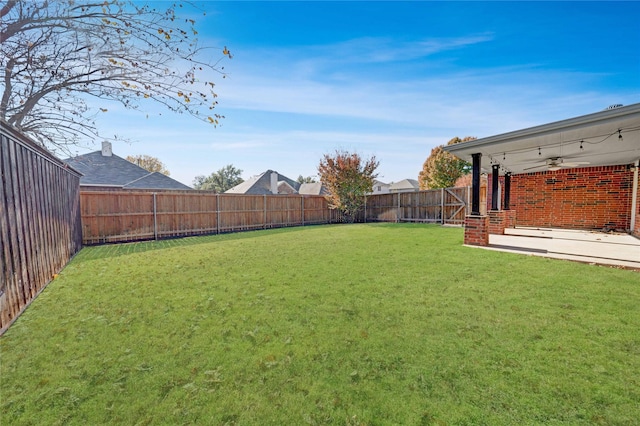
point(107, 251)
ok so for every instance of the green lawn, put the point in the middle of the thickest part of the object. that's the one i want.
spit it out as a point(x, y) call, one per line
point(378, 324)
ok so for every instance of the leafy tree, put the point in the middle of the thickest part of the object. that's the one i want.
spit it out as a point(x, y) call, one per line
point(149, 163)
point(220, 181)
point(348, 178)
point(56, 55)
point(308, 179)
point(441, 169)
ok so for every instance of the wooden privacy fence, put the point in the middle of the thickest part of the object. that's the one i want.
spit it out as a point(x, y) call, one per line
point(39, 220)
point(446, 206)
point(119, 216)
point(131, 215)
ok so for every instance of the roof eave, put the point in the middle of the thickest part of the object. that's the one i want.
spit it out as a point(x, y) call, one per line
point(545, 128)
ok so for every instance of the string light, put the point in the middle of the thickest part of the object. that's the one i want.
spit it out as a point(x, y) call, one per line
point(595, 140)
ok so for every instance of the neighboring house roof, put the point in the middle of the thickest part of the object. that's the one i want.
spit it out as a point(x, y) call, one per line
point(404, 185)
point(285, 188)
point(156, 180)
point(315, 188)
point(262, 184)
point(110, 170)
point(379, 187)
point(243, 187)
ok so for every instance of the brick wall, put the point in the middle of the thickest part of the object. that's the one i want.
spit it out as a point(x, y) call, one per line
point(636, 231)
point(501, 219)
point(580, 198)
point(476, 230)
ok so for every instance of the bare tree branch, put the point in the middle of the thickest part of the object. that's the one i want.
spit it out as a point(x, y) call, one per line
point(55, 55)
point(7, 7)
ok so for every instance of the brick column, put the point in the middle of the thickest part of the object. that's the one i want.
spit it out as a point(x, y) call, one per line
point(476, 230)
point(501, 219)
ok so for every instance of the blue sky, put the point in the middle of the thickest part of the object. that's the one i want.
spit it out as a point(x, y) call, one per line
point(390, 79)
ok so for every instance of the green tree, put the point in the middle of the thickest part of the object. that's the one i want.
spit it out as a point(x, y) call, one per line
point(308, 179)
point(149, 163)
point(57, 54)
point(220, 181)
point(348, 178)
point(441, 169)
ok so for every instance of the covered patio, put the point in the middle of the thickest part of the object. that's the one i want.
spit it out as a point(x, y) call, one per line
point(575, 174)
point(613, 249)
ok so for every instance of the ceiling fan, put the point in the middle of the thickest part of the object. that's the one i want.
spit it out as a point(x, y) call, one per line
point(556, 163)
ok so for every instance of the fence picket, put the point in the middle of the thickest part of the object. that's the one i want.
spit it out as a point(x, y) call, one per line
point(39, 224)
point(112, 216)
point(129, 215)
point(446, 206)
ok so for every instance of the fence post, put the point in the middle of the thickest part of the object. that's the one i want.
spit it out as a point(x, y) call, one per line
point(155, 218)
point(398, 210)
point(302, 208)
point(442, 206)
point(265, 212)
point(217, 213)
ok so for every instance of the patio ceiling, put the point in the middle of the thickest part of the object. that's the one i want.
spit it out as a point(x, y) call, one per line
point(605, 138)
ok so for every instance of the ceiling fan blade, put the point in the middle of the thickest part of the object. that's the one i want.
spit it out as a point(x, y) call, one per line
point(575, 163)
point(535, 167)
point(555, 163)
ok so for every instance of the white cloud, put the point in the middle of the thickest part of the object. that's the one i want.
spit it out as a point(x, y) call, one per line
point(485, 100)
point(287, 107)
point(377, 49)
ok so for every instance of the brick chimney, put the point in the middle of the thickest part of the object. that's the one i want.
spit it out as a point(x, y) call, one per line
point(106, 149)
point(274, 182)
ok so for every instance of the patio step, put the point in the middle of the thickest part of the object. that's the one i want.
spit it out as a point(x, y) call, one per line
point(573, 234)
point(585, 246)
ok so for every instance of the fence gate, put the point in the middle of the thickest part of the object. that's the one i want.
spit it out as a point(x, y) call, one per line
point(454, 205)
point(445, 206)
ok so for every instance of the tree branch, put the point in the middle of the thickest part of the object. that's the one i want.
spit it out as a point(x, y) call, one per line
point(56, 53)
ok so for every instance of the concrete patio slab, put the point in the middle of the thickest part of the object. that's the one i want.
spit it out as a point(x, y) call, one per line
point(573, 234)
point(612, 249)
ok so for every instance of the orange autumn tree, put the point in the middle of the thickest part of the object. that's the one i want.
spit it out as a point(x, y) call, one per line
point(441, 169)
point(348, 178)
point(149, 163)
